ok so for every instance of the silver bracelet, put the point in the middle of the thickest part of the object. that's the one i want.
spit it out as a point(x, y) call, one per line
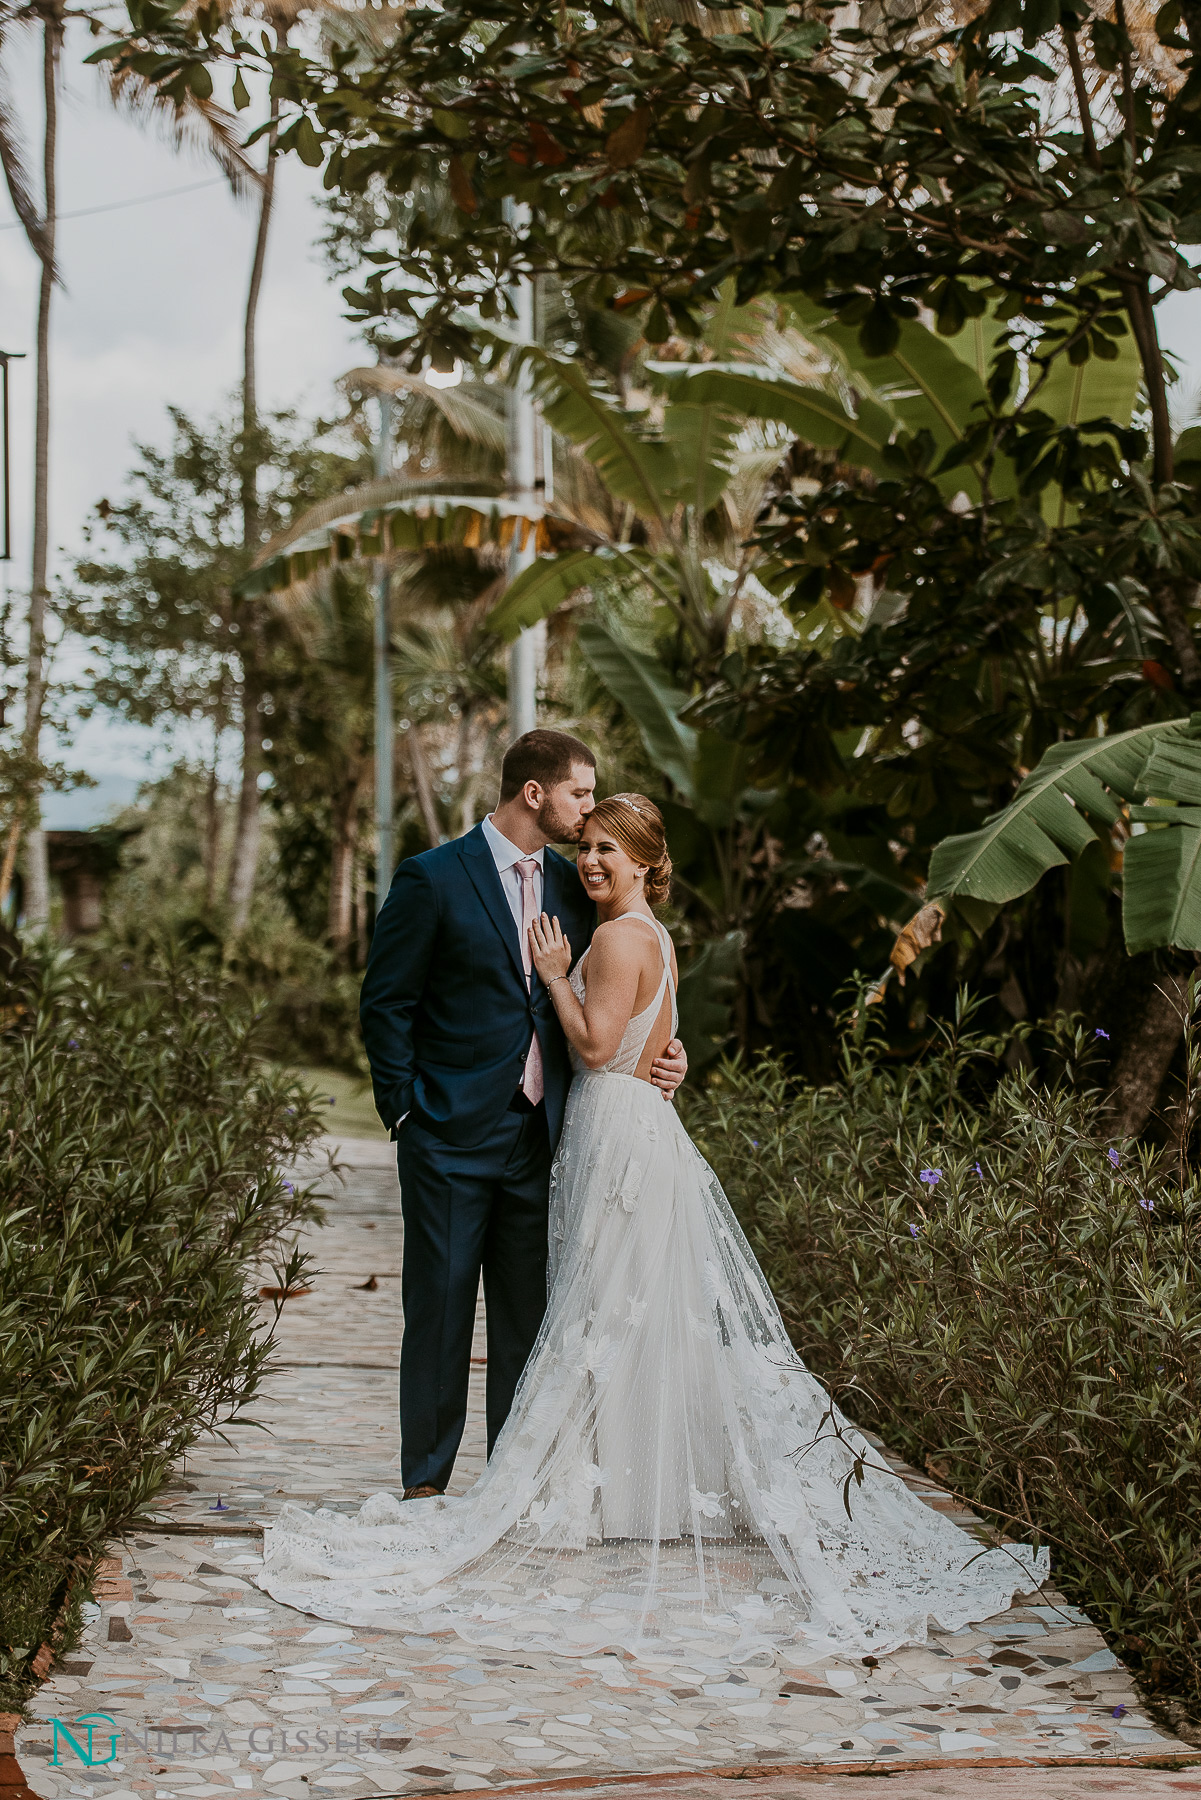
point(554, 978)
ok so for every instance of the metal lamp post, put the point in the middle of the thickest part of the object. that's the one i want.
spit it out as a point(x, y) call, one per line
point(525, 655)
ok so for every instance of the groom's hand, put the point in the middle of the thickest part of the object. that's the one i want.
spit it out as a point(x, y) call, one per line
point(669, 1070)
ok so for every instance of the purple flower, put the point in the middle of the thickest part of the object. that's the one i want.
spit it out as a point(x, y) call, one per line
point(72, 1043)
point(979, 1170)
point(289, 1187)
point(1119, 1711)
point(1114, 1158)
point(1147, 1205)
point(290, 1109)
point(332, 1101)
point(218, 1507)
point(1099, 1033)
point(913, 1230)
point(755, 1142)
point(931, 1177)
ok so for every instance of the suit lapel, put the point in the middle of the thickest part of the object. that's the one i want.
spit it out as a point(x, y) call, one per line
point(562, 893)
point(478, 862)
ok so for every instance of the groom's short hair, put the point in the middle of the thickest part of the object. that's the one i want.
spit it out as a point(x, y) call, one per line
point(547, 757)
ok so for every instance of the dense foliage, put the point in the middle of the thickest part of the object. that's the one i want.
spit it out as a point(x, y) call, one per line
point(142, 1176)
point(1012, 1299)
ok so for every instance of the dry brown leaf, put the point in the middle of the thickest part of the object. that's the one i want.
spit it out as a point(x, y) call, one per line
point(461, 190)
point(625, 145)
point(923, 929)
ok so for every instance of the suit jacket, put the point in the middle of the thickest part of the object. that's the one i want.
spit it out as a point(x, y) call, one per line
point(445, 1011)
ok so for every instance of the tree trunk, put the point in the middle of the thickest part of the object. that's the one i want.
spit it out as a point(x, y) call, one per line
point(1139, 1004)
point(250, 395)
point(37, 874)
point(343, 854)
point(1143, 1061)
point(362, 940)
point(423, 785)
point(244, 861)
point(212, 834)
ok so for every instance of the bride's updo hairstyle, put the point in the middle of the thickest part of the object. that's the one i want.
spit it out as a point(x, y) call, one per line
point(637, 825)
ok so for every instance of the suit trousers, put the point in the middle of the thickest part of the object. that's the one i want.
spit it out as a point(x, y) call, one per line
point(467, 1210)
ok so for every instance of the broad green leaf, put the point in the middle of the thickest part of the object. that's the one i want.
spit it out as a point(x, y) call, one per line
point(538, 590)
point(1161, 888)
point(1173, 770)
point(1093, 389)
point(639, 684)
point(708, 981)
point(719, 780)
point(812, 413)
point(1073, 395)
point(1045, 823)
point(632, 469)
point(976, 344)
point(925, 382)
point(701, 438)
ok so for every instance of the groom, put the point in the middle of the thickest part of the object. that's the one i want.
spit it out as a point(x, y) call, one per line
point(470, 1072)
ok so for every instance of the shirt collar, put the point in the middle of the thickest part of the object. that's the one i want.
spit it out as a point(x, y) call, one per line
point(504, 851)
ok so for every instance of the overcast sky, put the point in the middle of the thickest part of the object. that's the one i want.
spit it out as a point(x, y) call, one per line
point(152, 315)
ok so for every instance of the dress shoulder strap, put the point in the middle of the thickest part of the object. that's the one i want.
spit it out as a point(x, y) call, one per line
point(660, 931)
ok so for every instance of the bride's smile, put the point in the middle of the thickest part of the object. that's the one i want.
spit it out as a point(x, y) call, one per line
point(609, 873)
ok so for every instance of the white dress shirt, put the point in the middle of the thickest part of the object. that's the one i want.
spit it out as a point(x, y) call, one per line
point(506, 856)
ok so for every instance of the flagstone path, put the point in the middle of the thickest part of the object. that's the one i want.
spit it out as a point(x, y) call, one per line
point(205, 1686)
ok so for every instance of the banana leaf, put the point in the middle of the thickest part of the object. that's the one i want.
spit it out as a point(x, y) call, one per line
point(634, 470)
point(640, 685)
point(374, 527)
point(545, 585)
point(1078, 788)
point(813, 413)
point(708, 983)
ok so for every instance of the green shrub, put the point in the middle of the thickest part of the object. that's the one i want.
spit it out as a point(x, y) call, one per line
point(143, 1148)
point(1007, 1296)
point(309, 999)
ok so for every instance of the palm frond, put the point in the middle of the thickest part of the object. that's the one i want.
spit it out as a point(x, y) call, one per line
point(470, 418)
point(196, 125)
point(20, 187)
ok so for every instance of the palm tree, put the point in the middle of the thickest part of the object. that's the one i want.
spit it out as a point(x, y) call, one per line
point(197, 120)
point(40, 231)
point(371, 30)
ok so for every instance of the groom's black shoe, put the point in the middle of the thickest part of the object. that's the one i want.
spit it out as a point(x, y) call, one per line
point(425, 1492)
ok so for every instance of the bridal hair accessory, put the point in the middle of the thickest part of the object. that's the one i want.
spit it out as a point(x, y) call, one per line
point(626, 801)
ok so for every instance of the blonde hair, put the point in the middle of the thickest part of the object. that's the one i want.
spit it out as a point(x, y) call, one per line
point(637, 824)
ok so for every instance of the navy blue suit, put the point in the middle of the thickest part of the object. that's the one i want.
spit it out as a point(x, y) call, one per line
point(447, 1019)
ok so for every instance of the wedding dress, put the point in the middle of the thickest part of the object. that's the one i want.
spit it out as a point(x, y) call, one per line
point(671, 1479)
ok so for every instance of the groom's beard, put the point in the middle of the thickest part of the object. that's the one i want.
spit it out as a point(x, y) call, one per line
point(555, 827)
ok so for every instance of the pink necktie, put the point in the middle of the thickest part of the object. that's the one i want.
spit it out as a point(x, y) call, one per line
point(532, 1084)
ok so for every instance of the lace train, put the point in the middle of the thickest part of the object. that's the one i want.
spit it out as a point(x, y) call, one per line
point(671, 1479)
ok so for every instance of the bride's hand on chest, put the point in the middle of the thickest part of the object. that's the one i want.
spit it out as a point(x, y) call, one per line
point(550, 950)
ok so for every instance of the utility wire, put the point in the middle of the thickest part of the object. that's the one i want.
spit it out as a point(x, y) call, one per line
point(88, 212)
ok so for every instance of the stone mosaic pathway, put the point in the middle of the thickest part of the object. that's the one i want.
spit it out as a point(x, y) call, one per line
point(201, 1685)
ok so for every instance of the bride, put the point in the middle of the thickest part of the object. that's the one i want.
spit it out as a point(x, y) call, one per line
point(671, 1479)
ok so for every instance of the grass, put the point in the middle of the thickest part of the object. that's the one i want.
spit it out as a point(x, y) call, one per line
point(353, 1113)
